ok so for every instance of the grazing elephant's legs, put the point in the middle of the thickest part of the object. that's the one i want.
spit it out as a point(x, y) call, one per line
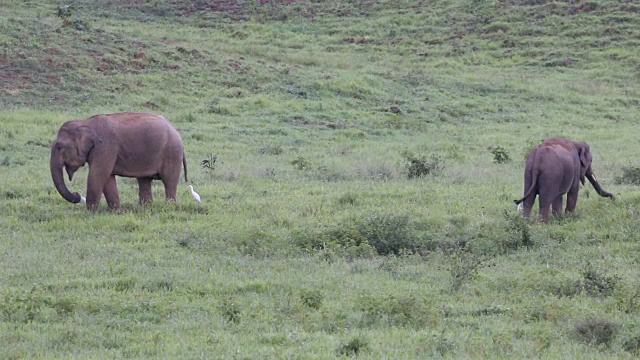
point(111, 193)
point(171, 185)
point(144, 190)
point(572, 200)
point(528, 205)
point(556, 206)
point(96, 185)
point(543, 216)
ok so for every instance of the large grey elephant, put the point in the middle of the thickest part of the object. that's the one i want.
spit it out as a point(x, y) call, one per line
point(141, 145)
point(554, 168)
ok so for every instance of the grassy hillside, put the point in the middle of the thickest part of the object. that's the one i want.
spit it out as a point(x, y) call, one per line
point(367, 155)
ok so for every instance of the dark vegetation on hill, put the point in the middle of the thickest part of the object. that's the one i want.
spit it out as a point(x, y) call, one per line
point(62, 58)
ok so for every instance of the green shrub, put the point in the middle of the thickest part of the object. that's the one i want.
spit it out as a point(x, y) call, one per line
point(421, 165)
point(597, 283)
point(632, 344)
point(230, 310)
point(500, 155)
point(630, 175)
point(209, 163)
point(518, 232)
point(596, 331)
point(396, 310)
point(312, 298)
point(386, 233)
point(463, 265)
point(301, 163)
point(352, 347)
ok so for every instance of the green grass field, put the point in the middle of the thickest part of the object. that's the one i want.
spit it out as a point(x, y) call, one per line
point(361, 202)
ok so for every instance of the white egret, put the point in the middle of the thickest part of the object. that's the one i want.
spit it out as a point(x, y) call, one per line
point(82, 198)
point(194, 194)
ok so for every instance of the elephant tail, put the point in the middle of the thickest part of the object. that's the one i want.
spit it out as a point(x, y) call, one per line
point(534, 183)
point(184, 164)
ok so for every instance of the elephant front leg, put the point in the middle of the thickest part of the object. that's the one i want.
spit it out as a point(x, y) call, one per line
point(144, 190)
point(95, 188)
point(111, 193)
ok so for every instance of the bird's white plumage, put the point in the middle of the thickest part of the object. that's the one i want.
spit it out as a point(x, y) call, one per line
point(195, 195)
point(82, 198)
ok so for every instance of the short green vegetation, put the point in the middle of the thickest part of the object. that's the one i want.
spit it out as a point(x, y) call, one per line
point(357, 163)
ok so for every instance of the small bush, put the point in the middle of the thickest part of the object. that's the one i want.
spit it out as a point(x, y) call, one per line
point(519, 232)
point(596, 331)
point(35, 304)
point(347, 199)
point(630, 176)
point(386, 234)
point(421, 165)
point(632, 344)
point(463, 265)
point(301, 163)
point(352, 347)
point(230, 311)
point(312, 298)
point(209, 163)
point(396, 310)
point(500, 155)
point(597, 283)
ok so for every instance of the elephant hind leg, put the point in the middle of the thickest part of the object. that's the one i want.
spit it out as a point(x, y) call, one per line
point(170, 182)
point(145, 195)
point(111, 193)
point(556, 206)
point(528, 205)
point(545, 204)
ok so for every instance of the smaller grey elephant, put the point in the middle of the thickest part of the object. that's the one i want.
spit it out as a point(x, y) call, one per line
point(556, 167)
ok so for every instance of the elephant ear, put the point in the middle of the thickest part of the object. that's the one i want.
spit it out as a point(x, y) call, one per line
point(85, 138)
point(585, 159)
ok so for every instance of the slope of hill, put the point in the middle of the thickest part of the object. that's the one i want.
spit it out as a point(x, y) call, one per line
point(357, 162)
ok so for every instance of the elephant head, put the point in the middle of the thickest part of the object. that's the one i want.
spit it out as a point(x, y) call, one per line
point(70, 151)
point(585, 168)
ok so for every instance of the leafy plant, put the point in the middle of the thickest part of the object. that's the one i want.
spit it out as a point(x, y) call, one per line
point(632, 344)
point(463, 265)
point(630, 176)
point(421, 165)
point(519, 231)
point(500, 155)
point(396, 310)
point(385, 233)
point(230, 310)
point(65, 11)
point(209, 163)
point(301, 163)
point(352, 347)
point(598, 283)
point(312, 298)
point(596, 331)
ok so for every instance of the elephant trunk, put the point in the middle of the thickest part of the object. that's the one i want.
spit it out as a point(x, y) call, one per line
point(596, 185)
point(56, 165)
